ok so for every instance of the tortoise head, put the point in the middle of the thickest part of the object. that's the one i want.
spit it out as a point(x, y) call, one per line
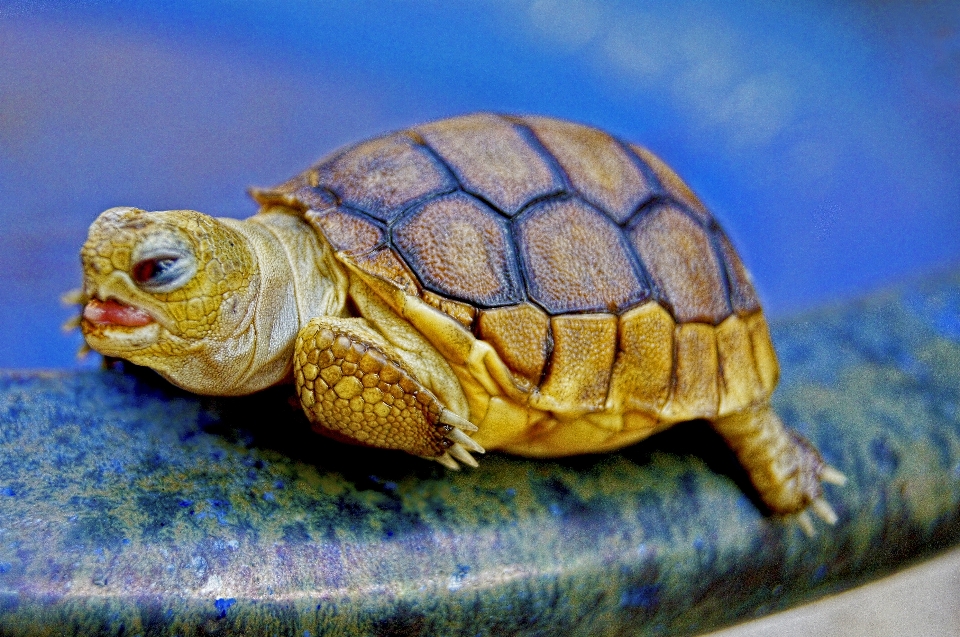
point(173, 290)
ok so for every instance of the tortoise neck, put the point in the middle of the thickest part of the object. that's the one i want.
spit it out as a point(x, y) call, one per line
point(319, 282)
point(296, 284)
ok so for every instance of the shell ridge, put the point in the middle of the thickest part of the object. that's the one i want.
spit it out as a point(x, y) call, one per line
point(665, 199)
point(709, 230)
point(553, 196)
point(337, 199)
point(707, 225)
point(453, 175)
point(645, 209)
point(733, 288)
point(530, 136)
point(313, 173)
point(433, 152)
point(524, 282)
point(521, 273)
point(382, 176)
point(415, 205)
point(723, 387)
point(674, 368)
point(460, 151)
point(359, 212)
point(641, 269)
point(548, 363)
point(343, 150)
point(437, 157)
point(656, 185)
point(354, 212)
point(617, 350)
point(722, 265)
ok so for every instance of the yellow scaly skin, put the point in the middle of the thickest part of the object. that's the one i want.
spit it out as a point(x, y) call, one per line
point(226, 322)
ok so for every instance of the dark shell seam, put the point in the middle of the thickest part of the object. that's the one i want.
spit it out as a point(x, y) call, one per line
point(721, 262)
point(710, 229)
point(716, 237)
point(530, 136)
point(519, 280)
point(655, 184)
point(453, 175)
point(632, 256)
point(362, 214)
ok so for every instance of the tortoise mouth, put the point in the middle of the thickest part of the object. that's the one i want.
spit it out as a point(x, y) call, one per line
point(111, 312)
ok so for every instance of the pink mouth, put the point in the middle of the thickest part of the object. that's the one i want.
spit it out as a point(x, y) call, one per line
point(113, 313)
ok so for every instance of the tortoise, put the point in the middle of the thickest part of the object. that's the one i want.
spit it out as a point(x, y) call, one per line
point(482, 282)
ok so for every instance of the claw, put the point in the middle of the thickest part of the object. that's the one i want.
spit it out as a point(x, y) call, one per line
point(83, 351)
point(451, 418)
point(72, 323)
point(824, 511)
point(806, 524)
point(447, 461)
point(458, 436)
point(74, 297)
point(832, 476)
point(462, 455)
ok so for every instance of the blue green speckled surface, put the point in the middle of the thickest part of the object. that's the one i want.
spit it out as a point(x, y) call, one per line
point(129, 507)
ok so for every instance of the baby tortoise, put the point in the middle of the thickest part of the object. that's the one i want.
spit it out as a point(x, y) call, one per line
point(537, 284)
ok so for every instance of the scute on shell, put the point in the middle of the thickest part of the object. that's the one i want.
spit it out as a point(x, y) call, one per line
point(383, 176)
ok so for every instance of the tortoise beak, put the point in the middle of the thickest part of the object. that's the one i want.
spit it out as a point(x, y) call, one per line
point(111, 312)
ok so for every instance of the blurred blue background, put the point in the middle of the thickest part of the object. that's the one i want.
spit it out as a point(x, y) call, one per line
point(823, 134)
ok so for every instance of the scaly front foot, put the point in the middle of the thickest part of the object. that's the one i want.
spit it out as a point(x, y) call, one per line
point(352, 384)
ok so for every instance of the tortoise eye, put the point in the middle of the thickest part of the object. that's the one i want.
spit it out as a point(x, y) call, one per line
point(152, 269)
point(163, 273)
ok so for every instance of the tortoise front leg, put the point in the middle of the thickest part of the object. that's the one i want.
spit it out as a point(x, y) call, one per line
point(354, 384)
point(784, 467)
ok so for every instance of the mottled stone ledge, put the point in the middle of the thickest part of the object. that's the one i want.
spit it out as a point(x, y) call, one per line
point(129, 507)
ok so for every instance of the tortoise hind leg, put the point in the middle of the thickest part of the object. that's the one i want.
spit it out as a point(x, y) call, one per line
point(784, 467)
point(352, 383)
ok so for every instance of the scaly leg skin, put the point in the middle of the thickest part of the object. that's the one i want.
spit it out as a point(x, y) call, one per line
point(784, 467)
point(354, 384)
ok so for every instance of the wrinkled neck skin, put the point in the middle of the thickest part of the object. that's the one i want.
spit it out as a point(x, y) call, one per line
point(299, 280)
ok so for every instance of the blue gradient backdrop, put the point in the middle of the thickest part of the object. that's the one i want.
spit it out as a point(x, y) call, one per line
point(823, 134)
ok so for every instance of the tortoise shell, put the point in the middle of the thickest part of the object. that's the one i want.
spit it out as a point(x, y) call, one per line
point(507, 224)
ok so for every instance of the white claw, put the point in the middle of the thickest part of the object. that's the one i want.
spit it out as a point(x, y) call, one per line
point(462, 455)
point(72, 323)
point(458, 436)
point(74, 297)
point(831, 475)
point(806, 524)
point(824, 511)
point(451, 418)
point(448, 462)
